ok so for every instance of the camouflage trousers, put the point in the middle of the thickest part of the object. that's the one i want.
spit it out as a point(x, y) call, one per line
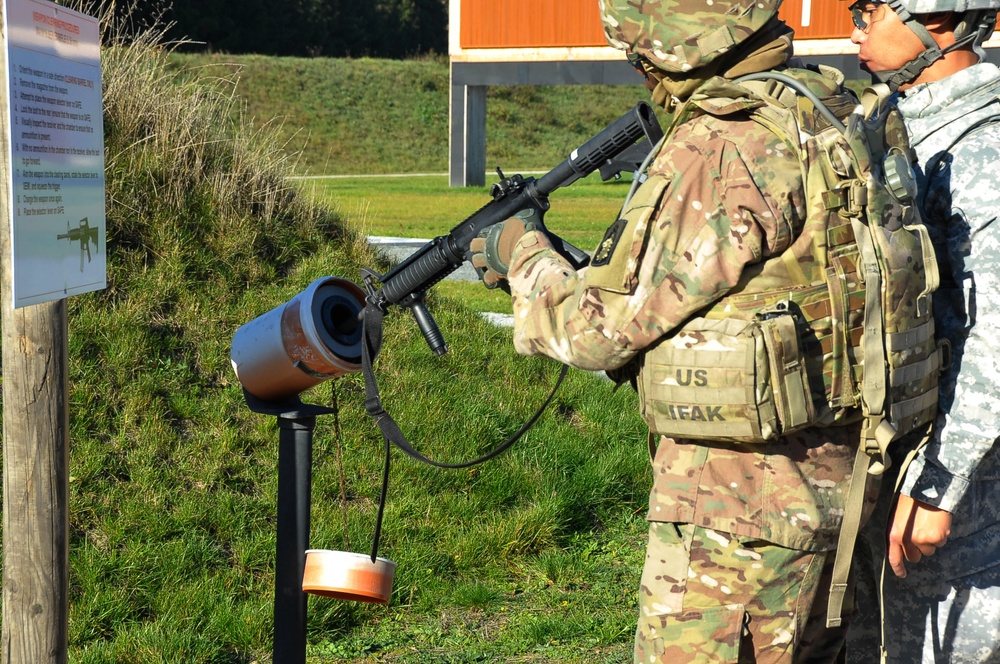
point(706, 597)
point(947, 609)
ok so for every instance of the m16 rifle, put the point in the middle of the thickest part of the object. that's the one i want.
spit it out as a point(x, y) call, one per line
point(83, 234)
point(613, 150)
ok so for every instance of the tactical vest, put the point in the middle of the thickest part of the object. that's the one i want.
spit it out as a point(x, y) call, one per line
point(835, 330)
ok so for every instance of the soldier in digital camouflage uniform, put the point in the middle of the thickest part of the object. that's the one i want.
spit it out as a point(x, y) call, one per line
point(741, 536)
point(946, 608)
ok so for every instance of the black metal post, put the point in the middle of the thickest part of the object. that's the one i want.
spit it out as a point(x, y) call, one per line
point(296, 422)
point(294, 497)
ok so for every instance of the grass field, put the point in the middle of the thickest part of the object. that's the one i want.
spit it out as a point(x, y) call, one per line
point(425, 207)
point(415, 207)
point(370, 116)
point(337, 117)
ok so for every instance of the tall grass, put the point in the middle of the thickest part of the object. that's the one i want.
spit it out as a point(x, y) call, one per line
point(171, 490)
point(532, 557)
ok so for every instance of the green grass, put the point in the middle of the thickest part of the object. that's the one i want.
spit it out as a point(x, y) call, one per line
point(426, 207)
point(335, 116)
point(532, 557)
point(378, 116)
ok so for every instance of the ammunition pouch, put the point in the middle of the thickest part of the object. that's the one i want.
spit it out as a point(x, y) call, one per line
point(728, 380)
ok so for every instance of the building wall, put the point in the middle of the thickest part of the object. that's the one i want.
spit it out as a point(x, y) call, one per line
point(560, 42)
point(569, 23)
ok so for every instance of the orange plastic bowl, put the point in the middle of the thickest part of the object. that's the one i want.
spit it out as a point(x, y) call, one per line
point(346, 575)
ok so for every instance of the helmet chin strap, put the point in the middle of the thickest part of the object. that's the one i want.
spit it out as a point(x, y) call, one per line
point(897, 77)
point(912, 69)
point(931, 54)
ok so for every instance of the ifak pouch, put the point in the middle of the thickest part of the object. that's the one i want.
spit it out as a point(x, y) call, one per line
point(728, 380)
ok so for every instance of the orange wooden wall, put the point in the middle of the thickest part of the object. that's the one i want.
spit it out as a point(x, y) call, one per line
point(541, 23)
point(530, 23)
point(828, 19)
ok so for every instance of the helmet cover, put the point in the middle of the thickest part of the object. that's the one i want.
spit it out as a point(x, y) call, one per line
point(978, 20)
point(681, 35)
point(958, 6)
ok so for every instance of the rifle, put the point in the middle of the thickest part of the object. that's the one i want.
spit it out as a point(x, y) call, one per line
point(611, 151)
point(84, 234)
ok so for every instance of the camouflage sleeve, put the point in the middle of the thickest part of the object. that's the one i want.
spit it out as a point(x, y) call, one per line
point(683, 242)
point(967, 426)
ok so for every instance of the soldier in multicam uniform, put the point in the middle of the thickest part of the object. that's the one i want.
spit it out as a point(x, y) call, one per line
point(947, 607)
point(742, 536)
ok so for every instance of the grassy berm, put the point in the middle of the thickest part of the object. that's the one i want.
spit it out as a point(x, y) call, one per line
point(533, 557)
point(379, 116)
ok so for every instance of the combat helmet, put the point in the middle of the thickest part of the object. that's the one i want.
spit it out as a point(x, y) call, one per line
point(977, 19)
point(678, 36)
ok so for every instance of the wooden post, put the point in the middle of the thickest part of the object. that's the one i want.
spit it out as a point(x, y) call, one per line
point(35, 455)
point(35, 482)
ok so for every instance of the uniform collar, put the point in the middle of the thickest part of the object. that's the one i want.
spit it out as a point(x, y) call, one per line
point(970, 84)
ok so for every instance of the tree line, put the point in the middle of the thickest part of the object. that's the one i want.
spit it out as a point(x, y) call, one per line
point(308, 28)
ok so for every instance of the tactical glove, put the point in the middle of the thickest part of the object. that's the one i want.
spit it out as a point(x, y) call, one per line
point(492, 250)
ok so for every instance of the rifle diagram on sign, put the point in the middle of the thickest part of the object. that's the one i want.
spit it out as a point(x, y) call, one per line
point(83, 234)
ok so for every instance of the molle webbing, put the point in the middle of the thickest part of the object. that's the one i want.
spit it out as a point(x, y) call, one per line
point(899, 383)
point(835, 330)
point(856, 283)
point(819, 273)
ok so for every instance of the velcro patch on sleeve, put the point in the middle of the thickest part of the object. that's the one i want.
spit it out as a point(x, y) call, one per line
point(602, 255)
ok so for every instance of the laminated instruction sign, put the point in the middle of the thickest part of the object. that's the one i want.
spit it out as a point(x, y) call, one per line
point(56, 156)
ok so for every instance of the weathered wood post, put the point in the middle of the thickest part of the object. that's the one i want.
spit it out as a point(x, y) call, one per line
point(35, 455)
point(35, 481)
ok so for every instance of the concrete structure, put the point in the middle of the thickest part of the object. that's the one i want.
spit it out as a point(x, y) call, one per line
point(560, 42)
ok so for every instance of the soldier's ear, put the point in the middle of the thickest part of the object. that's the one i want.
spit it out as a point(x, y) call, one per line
point(941, 22)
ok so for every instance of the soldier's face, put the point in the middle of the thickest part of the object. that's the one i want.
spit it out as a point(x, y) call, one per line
point(886, 44)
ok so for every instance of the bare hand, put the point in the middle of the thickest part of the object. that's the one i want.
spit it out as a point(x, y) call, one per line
point(917, 530)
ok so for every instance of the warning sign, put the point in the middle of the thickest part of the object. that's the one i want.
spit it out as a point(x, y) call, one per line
point(56, 158)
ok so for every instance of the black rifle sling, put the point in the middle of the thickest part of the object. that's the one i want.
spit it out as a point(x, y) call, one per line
point(390, 430)
point(371, 343)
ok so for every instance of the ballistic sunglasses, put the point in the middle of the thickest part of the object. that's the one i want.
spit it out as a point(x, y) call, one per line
point(861, 13)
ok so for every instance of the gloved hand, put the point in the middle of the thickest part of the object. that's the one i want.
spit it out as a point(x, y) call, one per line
point(492, 250)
